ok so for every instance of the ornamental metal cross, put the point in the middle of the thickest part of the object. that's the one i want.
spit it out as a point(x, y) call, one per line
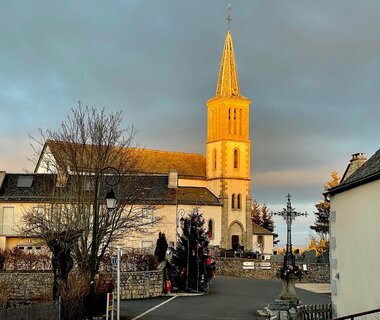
point(289, 214)
point(229, 16)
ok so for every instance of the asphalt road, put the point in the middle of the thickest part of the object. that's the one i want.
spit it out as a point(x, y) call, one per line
point(229, 298)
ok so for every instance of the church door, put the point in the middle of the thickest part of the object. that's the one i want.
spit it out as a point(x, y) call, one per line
point(235, 242)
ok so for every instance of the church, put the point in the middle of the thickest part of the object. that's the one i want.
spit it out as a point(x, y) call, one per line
point(218, 182)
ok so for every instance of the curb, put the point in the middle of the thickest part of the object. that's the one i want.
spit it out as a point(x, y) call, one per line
point(184, 294)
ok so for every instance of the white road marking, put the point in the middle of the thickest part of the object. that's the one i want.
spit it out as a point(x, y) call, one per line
point(157, 306)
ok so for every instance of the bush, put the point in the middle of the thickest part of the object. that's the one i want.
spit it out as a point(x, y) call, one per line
point(133, 260)
point(19, 260)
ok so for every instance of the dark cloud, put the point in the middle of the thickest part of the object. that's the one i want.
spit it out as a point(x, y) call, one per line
point(310, 67)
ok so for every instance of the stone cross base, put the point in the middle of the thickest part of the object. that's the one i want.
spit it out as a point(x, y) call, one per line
point(282, 310)
point(289, 289)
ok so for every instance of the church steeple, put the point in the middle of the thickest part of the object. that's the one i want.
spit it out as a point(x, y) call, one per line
point(228, 151)
point(228, 83)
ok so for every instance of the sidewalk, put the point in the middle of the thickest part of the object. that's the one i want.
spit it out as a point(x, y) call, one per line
point(315, 287)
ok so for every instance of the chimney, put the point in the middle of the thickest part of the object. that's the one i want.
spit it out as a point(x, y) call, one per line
point(357, 160)
point(173, 179)
point(62, 178)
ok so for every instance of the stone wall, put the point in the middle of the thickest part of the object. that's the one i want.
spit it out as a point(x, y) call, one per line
point(27, 286)
point(38, 286)
point(140, 285)
point(316, 272)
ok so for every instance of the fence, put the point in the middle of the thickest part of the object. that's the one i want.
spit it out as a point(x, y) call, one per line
point(315, 312)
point(37, 311)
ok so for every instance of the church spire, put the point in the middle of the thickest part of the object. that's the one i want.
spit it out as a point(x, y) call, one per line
point(228, 83)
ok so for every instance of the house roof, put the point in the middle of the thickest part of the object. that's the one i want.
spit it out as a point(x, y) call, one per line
point(135, 160)
point(256, 229)
point(136, 189)
point(39, 190)
point(369, 171)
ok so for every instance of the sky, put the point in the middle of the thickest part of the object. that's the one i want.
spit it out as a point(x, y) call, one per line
point(311, 69)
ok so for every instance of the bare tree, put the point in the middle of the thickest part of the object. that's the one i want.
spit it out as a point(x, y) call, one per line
point(75, 157)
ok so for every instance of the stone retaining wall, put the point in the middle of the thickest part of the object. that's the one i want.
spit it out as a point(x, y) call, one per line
point(140, 285)
point(316, 272)
point(27, 285)
point(38, 286)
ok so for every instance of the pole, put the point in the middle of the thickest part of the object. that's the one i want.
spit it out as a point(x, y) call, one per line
point(94, 232)
point(93, 246)
point(118, 283)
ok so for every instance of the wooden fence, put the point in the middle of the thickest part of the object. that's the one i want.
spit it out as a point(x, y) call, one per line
point(315, 312)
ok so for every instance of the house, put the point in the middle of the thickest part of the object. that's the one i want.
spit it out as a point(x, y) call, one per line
point(354, 229)
point(219, 182)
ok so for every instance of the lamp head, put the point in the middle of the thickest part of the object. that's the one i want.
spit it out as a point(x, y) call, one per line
point(111, 200)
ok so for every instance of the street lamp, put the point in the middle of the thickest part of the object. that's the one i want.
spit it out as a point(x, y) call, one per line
point(111, 204)
point(182, 222)
point(111, 200)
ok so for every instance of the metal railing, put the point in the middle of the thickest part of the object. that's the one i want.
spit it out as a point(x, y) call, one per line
point(360, 314)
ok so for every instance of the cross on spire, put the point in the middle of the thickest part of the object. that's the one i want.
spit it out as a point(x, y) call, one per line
point(229, 17)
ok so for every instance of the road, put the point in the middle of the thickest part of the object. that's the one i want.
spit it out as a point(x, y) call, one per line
point(229, 298)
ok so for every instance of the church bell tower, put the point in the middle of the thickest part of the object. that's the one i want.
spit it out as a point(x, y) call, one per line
point(228, 152)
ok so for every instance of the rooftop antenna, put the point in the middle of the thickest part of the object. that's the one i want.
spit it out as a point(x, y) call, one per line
point(229, 16)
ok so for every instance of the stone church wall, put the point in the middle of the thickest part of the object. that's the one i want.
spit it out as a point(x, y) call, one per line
point(316, 272)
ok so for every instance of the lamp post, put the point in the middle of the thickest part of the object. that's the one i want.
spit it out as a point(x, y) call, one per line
point(111, 204)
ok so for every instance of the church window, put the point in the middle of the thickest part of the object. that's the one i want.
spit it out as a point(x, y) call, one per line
point(146, 244)
point(240, 121)
point(235, 121)
point(233, 201)
point(210, 229)
point(229, 120)
point(239, 201)
point(214, 159)
point(236, 159)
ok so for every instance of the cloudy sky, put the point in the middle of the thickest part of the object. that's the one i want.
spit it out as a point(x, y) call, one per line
point(311, 68)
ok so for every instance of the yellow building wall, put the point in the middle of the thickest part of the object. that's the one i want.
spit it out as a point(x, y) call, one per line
point(168, 225)
point(192, 183)
point(11, 238)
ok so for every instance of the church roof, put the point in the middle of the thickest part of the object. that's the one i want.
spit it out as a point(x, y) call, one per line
point(228, 82)
point(188, 165)
point(136, 160)
point(369, 171)
point(256, 229)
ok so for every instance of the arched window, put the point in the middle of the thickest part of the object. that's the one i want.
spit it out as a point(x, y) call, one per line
point(236, 159)
point(235, 121)
point(233, 201)
point(240, 122)
point(210, 229)
point(229, 120)
point(239, 201)
point(214, 159)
